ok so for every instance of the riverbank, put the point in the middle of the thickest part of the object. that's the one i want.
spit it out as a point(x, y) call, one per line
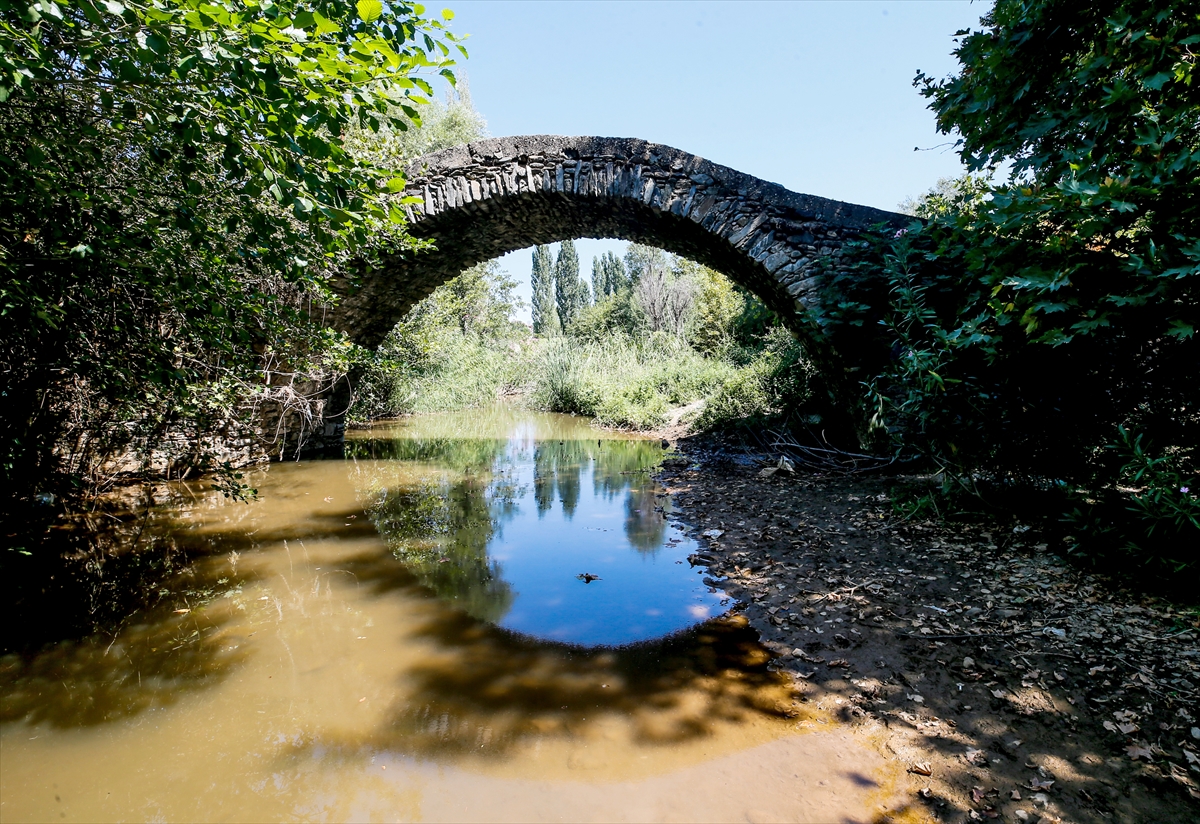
point(1009, 684)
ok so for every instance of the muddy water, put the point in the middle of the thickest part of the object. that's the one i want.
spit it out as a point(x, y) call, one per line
point(401, 635)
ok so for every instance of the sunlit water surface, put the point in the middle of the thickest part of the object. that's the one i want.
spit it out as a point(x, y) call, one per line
point(402, 635)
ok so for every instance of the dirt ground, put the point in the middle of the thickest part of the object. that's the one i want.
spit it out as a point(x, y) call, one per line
point(1012, 685)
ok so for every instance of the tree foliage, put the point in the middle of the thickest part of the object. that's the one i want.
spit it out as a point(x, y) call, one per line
point(570, 291)
point(451, 351)
point(1036, 321)
point(1097, 112)
point(608, 276)
point(174, 186)
point(544, 309)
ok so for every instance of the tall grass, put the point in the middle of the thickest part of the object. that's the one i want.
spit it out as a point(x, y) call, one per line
point(622, 382)
point(464, 372)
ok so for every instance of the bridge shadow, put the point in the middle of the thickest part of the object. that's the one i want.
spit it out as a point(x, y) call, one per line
point(483, 690)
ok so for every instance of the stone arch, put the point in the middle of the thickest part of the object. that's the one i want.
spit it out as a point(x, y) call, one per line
point(488, 198)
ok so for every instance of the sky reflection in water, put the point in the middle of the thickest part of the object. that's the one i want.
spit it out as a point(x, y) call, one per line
point(500, 511)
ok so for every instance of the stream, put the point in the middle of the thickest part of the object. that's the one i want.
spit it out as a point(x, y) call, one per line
point(477, 616)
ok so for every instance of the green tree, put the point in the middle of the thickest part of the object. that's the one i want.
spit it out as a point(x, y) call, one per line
point(641, 259)
point(542, 282)
point(451, 121)
point(608, 276)
point(570, 291)
point(718, 307)
point(616, 279)
point(451, 351)
point(1037, 321)
point(599, 279)
point(174, 189)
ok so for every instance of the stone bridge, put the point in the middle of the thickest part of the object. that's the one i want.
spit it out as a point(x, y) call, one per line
point(484, 199)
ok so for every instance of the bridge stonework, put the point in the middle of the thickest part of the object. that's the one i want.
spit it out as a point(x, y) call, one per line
point(484, 199)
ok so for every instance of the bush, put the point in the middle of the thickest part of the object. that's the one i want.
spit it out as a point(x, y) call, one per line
point(777, 384)
point(456, 349)
point(1151, 517)
point(622, 382)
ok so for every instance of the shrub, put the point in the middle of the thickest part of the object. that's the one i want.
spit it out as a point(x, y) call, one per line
point(777, 384)
point(621, 382)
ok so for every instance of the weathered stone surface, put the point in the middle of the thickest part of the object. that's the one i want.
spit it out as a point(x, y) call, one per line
point(488, 198)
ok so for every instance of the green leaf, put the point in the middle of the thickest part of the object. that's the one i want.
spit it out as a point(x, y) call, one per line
point(369, 10)
point(396, 184)
point(1181, 329)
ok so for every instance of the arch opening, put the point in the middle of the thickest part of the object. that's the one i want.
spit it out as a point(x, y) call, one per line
point(485, 199)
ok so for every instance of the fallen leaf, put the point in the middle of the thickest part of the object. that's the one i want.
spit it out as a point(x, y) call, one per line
point(921, 768)
point(1015, 795)
point(977, 795)
point(1136, 751)
point(998, 693)
point(1181, 776)
point(1126, 729)
point(1040, 784)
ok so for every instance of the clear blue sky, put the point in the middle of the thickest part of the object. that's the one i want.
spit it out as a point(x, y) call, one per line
point(816, 96)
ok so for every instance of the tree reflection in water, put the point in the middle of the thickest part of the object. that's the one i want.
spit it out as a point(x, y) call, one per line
point(441, 495)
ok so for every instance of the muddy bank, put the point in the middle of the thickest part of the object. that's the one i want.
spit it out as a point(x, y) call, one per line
point(1010, 685)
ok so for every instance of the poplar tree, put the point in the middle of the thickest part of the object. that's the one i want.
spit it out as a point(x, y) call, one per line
point(615, 278)
point(567, 284)
point(599, 278)
point(545, 314)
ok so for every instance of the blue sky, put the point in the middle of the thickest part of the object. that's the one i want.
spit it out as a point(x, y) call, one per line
point(815, 96)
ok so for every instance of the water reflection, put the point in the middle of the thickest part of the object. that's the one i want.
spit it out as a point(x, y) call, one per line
point(284, 665)
point(504, 524)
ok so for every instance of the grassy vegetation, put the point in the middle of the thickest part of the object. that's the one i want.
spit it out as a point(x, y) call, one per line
point(625, 382)
point(726, 356)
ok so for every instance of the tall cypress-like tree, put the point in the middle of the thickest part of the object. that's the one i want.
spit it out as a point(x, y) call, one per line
point(566, 283)
point(615, 278)
point(599, 278)
point(583, 297)
point(545, 313)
